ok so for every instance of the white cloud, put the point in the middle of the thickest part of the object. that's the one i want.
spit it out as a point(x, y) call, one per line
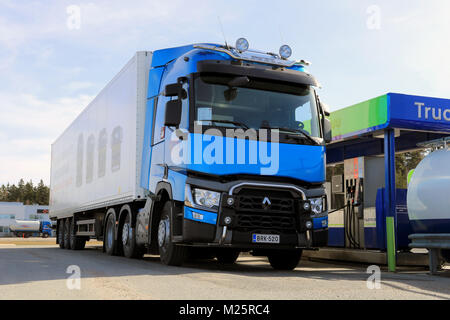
point(75, 86)
point(28, 127)
point(35, 167)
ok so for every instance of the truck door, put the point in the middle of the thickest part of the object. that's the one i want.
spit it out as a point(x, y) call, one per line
point(157, 167)
point(163, 139)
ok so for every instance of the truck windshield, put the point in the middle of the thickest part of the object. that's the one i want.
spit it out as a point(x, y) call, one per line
point(228, 101)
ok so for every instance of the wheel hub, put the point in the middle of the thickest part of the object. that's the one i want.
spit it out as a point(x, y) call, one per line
point(162, 233)
point(109, 237)
point(125, 233)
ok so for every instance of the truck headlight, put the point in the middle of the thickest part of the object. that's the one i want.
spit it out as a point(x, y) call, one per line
point(206, 198)
point(196, 197)
point(317, 205)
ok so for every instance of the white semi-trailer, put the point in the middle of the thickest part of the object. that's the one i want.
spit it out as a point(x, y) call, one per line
point(96, 162)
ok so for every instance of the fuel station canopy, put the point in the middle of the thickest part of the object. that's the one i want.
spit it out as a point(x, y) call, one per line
point(362, 135)
point(411, 119)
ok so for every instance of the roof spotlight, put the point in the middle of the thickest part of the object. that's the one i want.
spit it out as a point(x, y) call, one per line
point(285, 51)
point(242, 44)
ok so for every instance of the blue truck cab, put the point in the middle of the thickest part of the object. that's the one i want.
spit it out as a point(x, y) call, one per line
point(233, 156)
point(46, 228)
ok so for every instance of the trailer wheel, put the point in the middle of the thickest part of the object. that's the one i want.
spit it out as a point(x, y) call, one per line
point(76, 243)
point(67, 233)
point(110, 236)
point(170, 253)
point(61, 233)
point(227, 256)
point(285, 260)
point(128, 237)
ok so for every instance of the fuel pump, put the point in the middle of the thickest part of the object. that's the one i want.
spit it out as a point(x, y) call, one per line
point(354, 213)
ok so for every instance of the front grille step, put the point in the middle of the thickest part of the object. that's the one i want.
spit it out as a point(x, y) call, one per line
point(249, 222)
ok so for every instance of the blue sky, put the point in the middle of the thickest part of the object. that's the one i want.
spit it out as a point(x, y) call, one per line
point(50, 72)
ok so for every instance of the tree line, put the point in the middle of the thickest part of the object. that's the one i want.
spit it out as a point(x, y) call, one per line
point(28, 193)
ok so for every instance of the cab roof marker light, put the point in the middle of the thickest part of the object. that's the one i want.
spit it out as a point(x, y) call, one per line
point(285, 52)
point(242, 45)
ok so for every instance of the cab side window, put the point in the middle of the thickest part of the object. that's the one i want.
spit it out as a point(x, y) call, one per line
point(159, 131)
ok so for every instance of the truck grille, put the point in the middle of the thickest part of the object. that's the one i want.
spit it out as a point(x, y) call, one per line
point(253, 211)
point(249, 222)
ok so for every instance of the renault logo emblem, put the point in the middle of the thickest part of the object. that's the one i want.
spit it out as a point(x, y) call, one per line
point(266, 203)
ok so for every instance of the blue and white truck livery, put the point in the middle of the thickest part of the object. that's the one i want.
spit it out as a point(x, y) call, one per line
point(200, 148)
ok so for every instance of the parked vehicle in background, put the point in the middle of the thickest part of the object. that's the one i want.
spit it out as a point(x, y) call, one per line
point(428, 199)
point(23, 228)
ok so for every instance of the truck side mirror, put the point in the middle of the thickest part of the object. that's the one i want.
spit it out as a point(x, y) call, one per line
point(173, 90)
point(325, 109)
point(327, 135)
point(173, 113)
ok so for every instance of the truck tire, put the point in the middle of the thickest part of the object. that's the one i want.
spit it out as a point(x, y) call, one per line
point(128, 237)
point(61, 233)
point(76, 243)
point(285, 260)
point(227, 256)
point(67, 233)
point(170, 253)
point(45, 235)
point(110, 236)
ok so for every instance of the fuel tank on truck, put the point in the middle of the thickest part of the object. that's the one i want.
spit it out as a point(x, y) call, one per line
point(429, 194)
point(22, 225)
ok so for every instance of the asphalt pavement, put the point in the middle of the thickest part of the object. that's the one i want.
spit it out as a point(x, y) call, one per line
point(43, 271)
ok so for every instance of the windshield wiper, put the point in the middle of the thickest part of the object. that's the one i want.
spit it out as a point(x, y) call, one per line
point(296, 131)
point(240, 124)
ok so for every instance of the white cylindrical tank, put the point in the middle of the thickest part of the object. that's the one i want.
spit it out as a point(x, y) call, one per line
point(429, 194)
point(28, 226)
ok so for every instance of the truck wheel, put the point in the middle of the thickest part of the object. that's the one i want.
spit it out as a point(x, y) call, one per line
point(76, 243)
point(45, 235)
point(110, 235)
point(170, 253)
point(227, 256)
point(67, 233)
point(285, 260)
point(61, 233)
point(128, 234)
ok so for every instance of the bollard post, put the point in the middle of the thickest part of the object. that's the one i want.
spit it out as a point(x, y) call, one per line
point(390, 241)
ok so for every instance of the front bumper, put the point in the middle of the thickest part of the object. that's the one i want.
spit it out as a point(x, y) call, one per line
point(237, 221)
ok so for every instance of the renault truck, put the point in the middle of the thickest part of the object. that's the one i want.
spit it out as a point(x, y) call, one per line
point(200, 148)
